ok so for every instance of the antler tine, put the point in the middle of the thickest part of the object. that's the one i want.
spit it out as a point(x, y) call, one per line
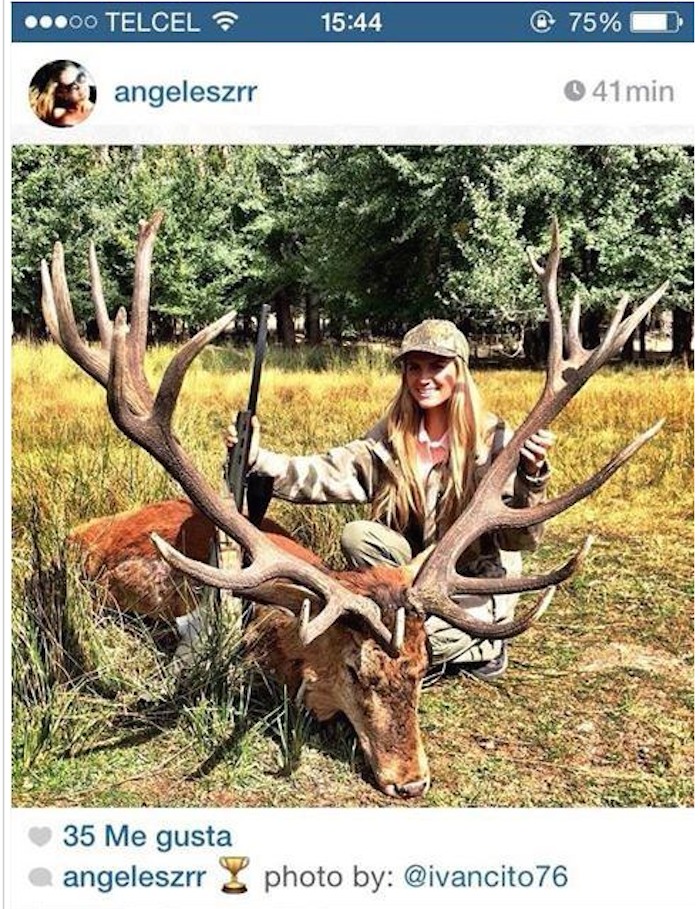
point(304, 617)
point(548, 280)
point(360, 606)
point(399, 631)
point(536, 514)
point(458, 584)
point(104, 323)
point(138, 335)
point(439, 605)
point(142, 282)
point(575, 350)
point(123, 406)
point(328, 616)
point(619, 332)
point(174, 375)
point(58, 312)
point(617, 318)
point(547, 276)
point(368, 611)
point(48, 305)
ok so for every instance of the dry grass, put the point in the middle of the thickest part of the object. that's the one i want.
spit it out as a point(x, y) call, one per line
point(596, 708)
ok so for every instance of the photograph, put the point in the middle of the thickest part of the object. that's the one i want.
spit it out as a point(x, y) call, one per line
point(62, 93)
point(351, 475)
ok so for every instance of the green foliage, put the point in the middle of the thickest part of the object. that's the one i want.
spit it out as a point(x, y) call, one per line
point(380, 236)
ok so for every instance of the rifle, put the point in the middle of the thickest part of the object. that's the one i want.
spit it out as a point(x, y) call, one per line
point(257, 491)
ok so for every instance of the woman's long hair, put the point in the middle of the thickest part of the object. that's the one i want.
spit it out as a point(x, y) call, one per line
point(400, 497)
point(42, 100)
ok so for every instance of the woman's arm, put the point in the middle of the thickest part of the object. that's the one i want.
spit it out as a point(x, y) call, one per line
point(343, 474)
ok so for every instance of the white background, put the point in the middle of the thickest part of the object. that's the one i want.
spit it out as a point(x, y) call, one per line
point(354, 93)
point(615, 857)
point(379, 93)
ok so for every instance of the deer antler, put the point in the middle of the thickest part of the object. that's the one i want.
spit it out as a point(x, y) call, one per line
point(273, 576)
point(438, 580)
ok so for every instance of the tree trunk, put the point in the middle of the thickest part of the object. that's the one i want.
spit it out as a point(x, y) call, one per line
point(682, 334)
point(536, 344)
point(336, 326)
point(628, 349)
point(642, 330)
point(285, 323)
point(591, 322)
point(312, 319)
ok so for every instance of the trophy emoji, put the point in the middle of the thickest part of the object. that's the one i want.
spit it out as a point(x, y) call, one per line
point(233, 864)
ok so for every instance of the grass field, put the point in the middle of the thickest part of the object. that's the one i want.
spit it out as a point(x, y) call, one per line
point(596, 708)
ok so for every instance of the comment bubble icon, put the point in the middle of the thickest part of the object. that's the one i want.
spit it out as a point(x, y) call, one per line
point(39, 835)
point(40, 877)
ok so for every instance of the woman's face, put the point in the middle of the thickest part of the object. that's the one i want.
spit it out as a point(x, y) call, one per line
point(430, 380)
point(72, 87)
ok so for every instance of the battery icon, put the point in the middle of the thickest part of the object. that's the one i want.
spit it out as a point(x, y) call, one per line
point(655, 23)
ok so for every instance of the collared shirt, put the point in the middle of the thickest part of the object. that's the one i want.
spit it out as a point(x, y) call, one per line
point(431, 452)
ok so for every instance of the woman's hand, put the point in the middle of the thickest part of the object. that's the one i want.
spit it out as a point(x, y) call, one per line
point(231, 437)
point(534, 452)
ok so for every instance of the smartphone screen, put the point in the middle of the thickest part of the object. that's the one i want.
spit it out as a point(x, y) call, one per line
point(348, 466)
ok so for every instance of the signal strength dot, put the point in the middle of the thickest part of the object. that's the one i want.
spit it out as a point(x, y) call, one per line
point(225, 19)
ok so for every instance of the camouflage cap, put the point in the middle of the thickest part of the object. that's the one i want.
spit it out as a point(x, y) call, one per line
point(435, 336)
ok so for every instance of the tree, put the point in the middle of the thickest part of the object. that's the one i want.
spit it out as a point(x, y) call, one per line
point(371, 239)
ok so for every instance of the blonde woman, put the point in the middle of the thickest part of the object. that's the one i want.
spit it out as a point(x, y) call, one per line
point(61, 94)
point(418, 468)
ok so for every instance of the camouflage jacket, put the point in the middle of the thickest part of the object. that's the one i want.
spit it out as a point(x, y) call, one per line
point(352, 473)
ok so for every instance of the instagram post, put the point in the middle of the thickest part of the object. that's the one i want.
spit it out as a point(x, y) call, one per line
point(348, 474)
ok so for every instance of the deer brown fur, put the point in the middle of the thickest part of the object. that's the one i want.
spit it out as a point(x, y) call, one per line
point(343, 671)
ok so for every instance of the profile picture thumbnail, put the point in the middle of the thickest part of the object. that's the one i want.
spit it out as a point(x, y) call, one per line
point(62, 93)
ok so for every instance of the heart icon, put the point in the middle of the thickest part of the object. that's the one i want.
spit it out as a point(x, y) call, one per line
point(40, 835)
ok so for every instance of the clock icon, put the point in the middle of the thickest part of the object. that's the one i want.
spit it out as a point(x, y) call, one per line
point(575, 90)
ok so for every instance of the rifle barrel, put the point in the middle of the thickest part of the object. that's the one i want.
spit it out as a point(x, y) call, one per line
point(260, 345)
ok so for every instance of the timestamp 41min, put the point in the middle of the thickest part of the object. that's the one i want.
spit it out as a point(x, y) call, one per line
point(615, 91)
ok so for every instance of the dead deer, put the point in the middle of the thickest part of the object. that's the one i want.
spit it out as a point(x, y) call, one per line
point(350, 642)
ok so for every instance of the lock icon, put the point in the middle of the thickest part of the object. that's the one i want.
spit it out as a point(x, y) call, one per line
point(542, 21)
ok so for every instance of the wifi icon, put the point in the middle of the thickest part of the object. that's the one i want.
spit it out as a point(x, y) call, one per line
point(225, 19)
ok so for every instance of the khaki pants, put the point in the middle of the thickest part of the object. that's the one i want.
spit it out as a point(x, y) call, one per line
point(367, 543)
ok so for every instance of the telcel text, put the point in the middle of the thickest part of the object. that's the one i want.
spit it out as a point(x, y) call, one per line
point(158, 21)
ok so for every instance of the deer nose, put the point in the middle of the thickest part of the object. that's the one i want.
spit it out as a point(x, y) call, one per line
point(413, 790)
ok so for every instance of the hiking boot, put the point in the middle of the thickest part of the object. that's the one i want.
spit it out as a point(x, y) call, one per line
point(490, 669)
